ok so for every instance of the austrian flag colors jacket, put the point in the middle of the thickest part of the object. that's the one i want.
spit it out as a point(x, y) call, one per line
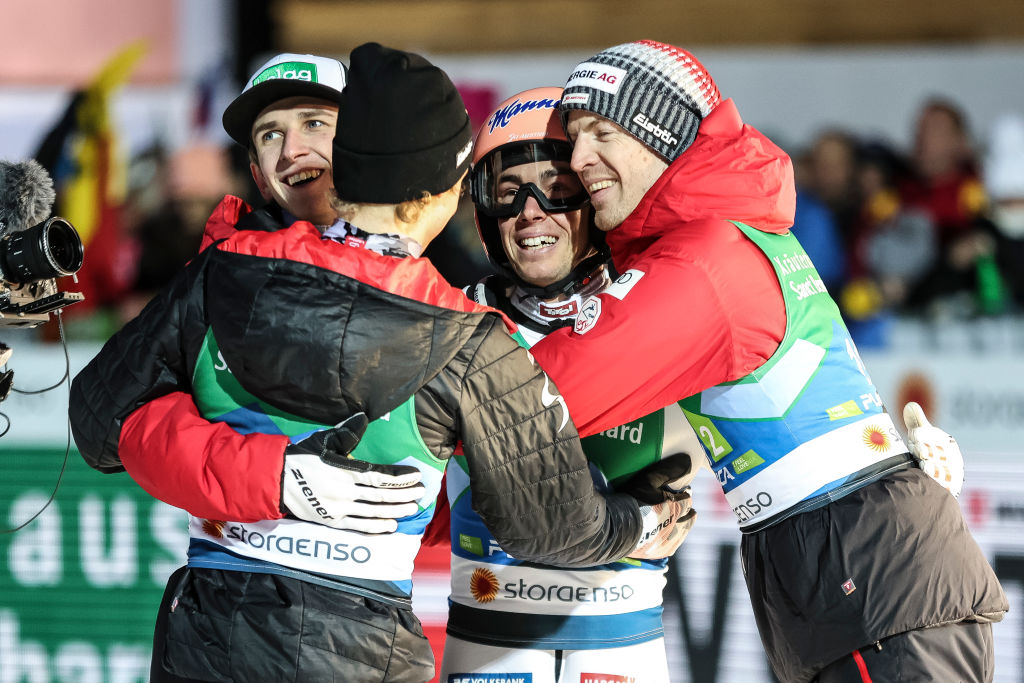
point(719, 310)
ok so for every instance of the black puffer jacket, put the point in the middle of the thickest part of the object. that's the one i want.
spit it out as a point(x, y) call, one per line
point(322, 330)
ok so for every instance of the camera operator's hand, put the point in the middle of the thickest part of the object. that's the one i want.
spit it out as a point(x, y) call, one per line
point(320, 483)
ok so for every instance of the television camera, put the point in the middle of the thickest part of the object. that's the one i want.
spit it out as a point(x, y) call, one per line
point(35, 249)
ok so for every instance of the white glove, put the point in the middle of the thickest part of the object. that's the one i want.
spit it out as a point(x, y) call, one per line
point(320, 483)
point(936, 451)
point(665, 527)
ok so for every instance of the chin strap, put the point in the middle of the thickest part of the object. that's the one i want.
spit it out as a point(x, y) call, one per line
point(570, 284)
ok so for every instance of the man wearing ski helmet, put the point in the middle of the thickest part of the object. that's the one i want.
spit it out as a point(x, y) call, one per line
point(534, 222)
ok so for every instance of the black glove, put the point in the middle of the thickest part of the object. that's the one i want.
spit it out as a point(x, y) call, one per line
point(667, 479)
point(320, 483)
point(333, 445)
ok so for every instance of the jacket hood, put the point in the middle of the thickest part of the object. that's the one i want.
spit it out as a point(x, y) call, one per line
point(322, 330)
point(730, 172)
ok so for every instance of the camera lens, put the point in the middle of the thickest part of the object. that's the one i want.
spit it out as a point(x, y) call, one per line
point(49, 249)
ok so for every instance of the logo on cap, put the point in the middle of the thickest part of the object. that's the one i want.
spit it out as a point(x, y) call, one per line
point(655, 129)
point(461, 155)
point(299, 71)
point(599, 76)
point(580, 98)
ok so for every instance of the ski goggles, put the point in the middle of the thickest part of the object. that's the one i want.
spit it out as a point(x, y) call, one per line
point(504, 179)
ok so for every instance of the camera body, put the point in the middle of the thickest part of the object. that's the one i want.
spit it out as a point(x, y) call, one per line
point(31, 260)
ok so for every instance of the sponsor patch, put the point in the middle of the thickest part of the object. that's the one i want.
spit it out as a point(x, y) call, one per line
point(483, 584)
point(625, 282)
point(471, 544)
point(844, 410)
point(580, 98)
point(565, 309)
point(490, 678)
point(297, 71)
point(875, 439)
point(353, 241)
point(590, 311)
point(214, 527)
point(848, 586)
point(598, 76)
point(606, 678)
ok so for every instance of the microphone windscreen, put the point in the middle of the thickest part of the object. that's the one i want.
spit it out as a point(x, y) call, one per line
point(26, 195)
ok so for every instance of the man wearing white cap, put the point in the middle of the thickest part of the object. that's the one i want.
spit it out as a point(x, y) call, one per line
point(858, 565)
point(286, 117)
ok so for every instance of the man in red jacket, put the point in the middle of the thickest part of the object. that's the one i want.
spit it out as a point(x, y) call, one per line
point(859, 567)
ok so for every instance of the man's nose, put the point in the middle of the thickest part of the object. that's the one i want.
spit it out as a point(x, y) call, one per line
point(532, 210)
point(295, 145)
point(582, 155)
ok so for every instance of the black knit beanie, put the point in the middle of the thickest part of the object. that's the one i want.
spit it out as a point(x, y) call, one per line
point(402, 129)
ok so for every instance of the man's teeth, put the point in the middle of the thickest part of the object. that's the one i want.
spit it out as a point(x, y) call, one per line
point(543, 241)
point(600, 185)
point(303, 175)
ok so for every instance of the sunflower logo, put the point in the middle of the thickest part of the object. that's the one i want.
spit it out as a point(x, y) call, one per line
point(214, 527)
point(483, 584)
point(875, 439)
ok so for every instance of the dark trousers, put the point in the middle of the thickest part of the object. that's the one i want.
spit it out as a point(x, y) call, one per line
point(955, 653)
point(157, 673)
point(217, 625)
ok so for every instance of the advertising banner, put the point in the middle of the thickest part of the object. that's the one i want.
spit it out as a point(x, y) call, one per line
point(79, 585)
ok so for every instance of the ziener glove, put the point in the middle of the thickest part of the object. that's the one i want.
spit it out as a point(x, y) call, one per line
point(665, 526)
point(320, 483)
point(936, 451)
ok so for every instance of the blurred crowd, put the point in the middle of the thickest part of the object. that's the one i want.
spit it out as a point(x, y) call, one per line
point(934, 231)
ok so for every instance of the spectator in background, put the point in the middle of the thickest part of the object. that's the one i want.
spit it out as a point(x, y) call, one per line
point(1004, 180)
point(171, 197)
point(831, 175)
point(815, 226)
point(891, 247)
point(944, 183)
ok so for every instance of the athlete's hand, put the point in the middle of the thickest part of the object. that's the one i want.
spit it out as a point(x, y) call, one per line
point(936, 451)
point(665, 527)
point(666, 479)
point(320, 483)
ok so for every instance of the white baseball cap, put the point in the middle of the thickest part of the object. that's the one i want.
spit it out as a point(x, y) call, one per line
point(285, 75)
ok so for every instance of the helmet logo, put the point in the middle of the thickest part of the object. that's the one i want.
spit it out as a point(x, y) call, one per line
point(504, 116)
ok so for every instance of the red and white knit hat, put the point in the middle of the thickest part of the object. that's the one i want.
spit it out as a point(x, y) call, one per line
point(658, 93)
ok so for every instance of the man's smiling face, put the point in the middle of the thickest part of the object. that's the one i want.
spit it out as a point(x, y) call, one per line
point(542, 247)
point(615, 168)
point(292, 140)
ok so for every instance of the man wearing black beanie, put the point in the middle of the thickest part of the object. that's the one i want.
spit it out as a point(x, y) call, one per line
point(405, 132)
point(279, 335)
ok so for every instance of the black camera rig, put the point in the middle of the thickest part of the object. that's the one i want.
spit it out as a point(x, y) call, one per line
point(31, 260)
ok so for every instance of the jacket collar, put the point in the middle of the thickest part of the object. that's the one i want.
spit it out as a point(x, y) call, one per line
point(730, 172)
